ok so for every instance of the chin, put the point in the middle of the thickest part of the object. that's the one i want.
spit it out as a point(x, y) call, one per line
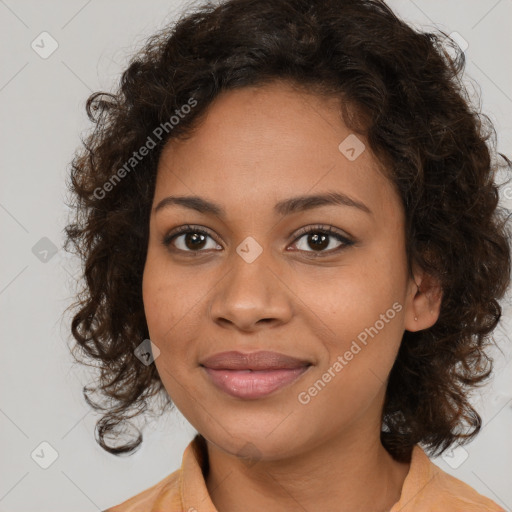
point(253, 444)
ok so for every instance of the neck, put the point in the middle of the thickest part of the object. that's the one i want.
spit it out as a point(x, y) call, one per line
point(343, 474)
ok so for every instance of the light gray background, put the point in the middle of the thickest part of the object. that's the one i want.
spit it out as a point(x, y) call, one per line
point(42, 111)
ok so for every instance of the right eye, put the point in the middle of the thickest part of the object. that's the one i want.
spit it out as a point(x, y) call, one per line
point(189, 239)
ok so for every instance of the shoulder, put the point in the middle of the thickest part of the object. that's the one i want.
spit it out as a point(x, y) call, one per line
point(457, 495)
point(428, 487)
point(147, 500)
point(184, 484)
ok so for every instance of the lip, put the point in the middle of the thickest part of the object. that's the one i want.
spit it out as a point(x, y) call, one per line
point(253, 375)
point(252, 384)
point(262, 360)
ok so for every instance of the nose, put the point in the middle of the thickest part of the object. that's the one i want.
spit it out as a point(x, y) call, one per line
point(251, 295)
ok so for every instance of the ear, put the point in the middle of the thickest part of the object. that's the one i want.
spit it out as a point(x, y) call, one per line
point(423, 303)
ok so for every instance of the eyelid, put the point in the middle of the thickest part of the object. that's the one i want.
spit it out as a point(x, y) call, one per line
point(180, 230)
point(325, 228)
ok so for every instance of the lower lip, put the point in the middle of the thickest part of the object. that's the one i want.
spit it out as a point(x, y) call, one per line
point(253, 384)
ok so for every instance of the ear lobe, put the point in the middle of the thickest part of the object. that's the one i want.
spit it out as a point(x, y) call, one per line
point(424, 305)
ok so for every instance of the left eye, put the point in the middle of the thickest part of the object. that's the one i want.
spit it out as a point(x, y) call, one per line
point(322, 240)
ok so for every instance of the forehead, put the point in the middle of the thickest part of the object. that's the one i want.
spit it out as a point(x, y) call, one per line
point(258, 145)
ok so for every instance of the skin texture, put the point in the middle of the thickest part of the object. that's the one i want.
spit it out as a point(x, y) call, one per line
point(258, 146)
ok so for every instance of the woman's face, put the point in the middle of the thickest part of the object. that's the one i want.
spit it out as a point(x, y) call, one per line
point(254, 282)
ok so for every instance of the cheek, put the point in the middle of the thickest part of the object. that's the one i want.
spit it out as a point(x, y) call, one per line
point(349, 298)
point(356, 312)
point(164, 307)
point(169, 298)
point(171, 303)
point(155, 299)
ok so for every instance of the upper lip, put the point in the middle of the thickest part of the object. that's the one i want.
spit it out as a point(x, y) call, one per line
point(263, 360)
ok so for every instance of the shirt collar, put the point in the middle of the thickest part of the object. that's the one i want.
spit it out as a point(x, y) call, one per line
point(194, 470)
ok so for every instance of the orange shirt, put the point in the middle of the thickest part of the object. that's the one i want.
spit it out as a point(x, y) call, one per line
point(427, 488)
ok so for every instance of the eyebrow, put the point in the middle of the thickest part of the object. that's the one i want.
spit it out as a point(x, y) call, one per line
point(283, 208)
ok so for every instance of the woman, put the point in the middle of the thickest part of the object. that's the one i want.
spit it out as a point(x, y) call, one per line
point(290, 229)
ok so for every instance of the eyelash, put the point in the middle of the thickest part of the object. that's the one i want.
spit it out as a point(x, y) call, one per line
point(322, 229)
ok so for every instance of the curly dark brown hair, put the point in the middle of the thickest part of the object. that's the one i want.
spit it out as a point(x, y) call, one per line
point(410, 102)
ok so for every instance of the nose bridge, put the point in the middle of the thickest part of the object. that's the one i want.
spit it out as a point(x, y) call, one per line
point(251, 291)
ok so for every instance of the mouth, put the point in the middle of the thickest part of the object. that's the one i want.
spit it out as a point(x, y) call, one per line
point(252, 384)
point(253, 375)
